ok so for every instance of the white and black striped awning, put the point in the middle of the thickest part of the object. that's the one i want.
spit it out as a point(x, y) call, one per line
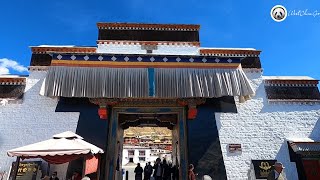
point(96, 82)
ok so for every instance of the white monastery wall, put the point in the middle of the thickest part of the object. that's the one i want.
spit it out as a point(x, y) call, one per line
point(32, 121)
point(136, 49)
point(125, 156)
point(136, 156)
point(262, 129)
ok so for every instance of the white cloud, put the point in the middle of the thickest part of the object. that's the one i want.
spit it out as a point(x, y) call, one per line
point(4, 70)
point(7, 64)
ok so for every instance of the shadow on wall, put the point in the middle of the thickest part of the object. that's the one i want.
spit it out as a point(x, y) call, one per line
point(90, 126)
point(254, 76)
point(203, 139)
point(1, 141)
point(251, 173)
point(211, 163)
point(224, 104)
point(37, 85)
point(315, 134)
point(260, 92)
point(284, 157)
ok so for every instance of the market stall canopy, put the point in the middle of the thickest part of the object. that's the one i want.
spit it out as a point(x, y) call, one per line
point(62, 148)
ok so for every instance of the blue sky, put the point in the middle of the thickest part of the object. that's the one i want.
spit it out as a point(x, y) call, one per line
point(290, 47)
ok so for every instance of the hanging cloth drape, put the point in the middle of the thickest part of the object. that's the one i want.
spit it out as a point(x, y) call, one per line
point(95, 82)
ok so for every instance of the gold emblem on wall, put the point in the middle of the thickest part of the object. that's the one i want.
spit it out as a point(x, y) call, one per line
point(265, 168)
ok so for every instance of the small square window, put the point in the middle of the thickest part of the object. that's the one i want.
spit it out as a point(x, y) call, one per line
point(131, 153)
point(142, 153)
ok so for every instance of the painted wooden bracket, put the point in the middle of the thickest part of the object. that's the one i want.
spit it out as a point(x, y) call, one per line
point(192, 106)
point(103, 106)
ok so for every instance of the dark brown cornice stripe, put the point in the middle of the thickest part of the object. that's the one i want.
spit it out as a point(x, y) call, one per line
point(233, 52)
point(138, 26)
point(63, 49)
point(178, 43)
point(12, 80)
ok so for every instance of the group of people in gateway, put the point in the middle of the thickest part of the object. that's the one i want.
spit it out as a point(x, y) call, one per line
point(159, 171)
point(165, 171)
point(162, 171)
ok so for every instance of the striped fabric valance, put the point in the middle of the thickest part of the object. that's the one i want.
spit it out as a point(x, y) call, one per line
point(96, 82)
point(201, 83)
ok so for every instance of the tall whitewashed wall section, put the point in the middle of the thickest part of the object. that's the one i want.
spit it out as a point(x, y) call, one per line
point(136, 49)
point(32, 121)
point(262, 129)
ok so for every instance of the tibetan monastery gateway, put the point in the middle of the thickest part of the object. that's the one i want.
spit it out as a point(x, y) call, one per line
point(226, 118)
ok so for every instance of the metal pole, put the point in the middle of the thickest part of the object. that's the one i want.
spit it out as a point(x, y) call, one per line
point(99, 164)
point(8, 174)
point(15, 171)
point(48, 170)
point(84, 164)
point(127, 175)
point(177, 153)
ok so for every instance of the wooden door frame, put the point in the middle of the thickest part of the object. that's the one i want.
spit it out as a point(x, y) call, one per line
point(112, 150)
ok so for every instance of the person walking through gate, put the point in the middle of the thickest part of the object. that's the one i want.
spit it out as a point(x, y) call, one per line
point(166, 171)
point(158, 170)
point(191, 175)
point(147, 171)
point(277, 174)
point(138, 170)
point(175, 172)
point(54, 176)
point(170, 171)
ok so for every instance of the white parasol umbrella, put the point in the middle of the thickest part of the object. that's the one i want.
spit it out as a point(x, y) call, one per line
point(63, 144)
point(62, 148)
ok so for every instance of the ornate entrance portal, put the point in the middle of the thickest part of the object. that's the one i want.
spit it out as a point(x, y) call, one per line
point(150, 80)
point(163, 113)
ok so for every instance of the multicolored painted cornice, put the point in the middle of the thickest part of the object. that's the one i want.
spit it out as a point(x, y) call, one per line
point(137, 26)
point(291, 82)
point(203, 52)
point(38, 68)
point(178, 43)
point(230, 52)
point(44, 50)
point(12, 80)
point(145, 60)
